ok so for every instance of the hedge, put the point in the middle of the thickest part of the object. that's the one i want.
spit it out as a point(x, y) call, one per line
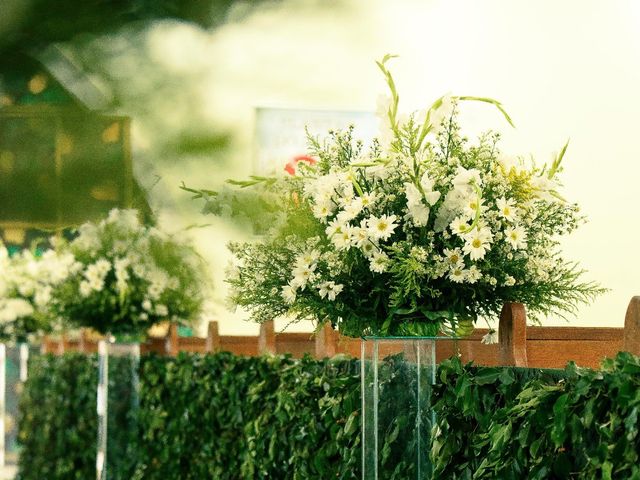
point(228, 417)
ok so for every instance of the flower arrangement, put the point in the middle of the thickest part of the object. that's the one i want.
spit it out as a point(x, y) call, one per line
point(421, 233)
point(26, 282)
point(125, 277)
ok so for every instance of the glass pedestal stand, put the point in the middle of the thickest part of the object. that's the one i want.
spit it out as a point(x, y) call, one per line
point(397, 374)
point(117, 404)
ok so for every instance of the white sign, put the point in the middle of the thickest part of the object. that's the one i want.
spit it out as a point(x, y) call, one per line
point(281, 135)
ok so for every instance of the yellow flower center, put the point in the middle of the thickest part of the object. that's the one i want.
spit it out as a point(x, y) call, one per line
point(455, 258)
point(506, 211)
point(382, 226)
point(476, 243)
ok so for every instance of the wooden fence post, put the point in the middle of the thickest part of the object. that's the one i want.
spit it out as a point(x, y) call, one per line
point(267, 338)
point(171, 345)
point(326, 342)
point(632, 327)
point(512, 335)
point(213, 337)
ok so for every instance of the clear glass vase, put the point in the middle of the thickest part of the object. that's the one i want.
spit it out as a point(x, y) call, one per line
point(13, 374)
point(117, 408)
point(397, 374)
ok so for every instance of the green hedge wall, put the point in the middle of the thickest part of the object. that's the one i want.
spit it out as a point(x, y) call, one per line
point(227, 417)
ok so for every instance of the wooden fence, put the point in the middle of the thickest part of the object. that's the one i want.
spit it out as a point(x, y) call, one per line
point(518, 345)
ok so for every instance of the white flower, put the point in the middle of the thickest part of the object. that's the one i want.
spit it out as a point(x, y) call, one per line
point(329, 290)
point(490, 338)
point(476, 244)
point(457, 274)
point(334, 227)
point(359, 235)
point(454, 257)
point(13, 308)
point(288, 293)
point(427, 184)
point(308, 258)
point(417, 210)
point(516, 237)
point(162, 310)
point(507, 209)
point(303, 274)
point(322, 210)
point(459, 226)
point(368, 199)
point(473, 274)
point(378, 262)
point(466, 177)
point(472, 206)
point(509, 281)
point(343, 240)
point(85, 289)
point(369, 248)
point(381, 228)
point(146, 305)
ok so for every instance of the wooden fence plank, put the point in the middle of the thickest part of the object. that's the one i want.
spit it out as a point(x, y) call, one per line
point(512, 335)
point(632, 327)
point(213, 337)
point(267, 338)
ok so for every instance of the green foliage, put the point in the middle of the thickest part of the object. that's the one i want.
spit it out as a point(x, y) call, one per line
point(584, 427)
point(228, 417)
point(466, 401)
point(58, 421)
point(58, 424)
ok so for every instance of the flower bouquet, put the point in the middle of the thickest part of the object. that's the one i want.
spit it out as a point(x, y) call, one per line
point(26, 281)
point(422, 232)
point(125, 277)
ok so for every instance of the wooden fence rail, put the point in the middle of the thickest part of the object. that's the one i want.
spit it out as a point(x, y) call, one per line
point(518, 344)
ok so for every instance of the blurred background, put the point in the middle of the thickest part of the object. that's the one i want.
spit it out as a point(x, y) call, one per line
point(117, 103)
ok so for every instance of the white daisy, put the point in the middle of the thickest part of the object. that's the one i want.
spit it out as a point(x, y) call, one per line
point(381, 228)
point(329, 290)
point(454, 256)
point(303, 274)
point(288, 294)
point(459, 226)
point(507, 209)
point(473, 274)
point(457, 274)
point(322, 210)
point(335, 226)
point(378, 262)
point(516, 237)
point(476, 245)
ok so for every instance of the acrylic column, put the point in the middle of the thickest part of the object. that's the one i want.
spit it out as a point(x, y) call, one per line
point(397, 374)
point(117, 407)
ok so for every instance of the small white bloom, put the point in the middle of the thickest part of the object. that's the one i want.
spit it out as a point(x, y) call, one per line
point(329, 290)
point(85, 288)
point(162, 310)
point(378, 262)
point(466, 177)
point(509, 281)
point(146, 305)
point(507, 209)
point(288, 294)
point(381, 228)
point(457, 274)
point(302, 275)
point(473, 274)
point(476, 245)
point(459, 226)
point(454, 256)
point(516, 237)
